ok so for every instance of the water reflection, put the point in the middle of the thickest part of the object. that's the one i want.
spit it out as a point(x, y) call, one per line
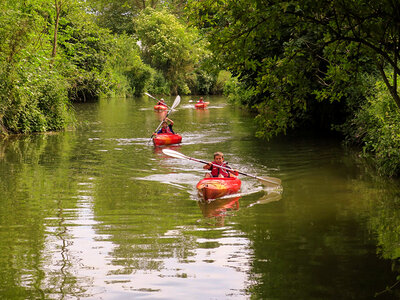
point(159, 149)
point(268, 197)
point(160, 114)
point(218, 208)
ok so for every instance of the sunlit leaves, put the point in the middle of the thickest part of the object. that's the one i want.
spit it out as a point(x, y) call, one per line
point(167, 45)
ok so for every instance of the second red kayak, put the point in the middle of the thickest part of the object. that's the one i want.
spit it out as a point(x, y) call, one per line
point(166, 139)
point(201, 105)
point(160, 107)
point(215, 187)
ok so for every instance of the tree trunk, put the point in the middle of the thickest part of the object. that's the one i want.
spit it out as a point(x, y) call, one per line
point(392, 88)
point(3, 129)
point(58, 9)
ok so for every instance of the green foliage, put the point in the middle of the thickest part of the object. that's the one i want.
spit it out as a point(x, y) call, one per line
point(168, 46)
point(222, 79)
point(376, 126)
point(36, 100)
point(114, 15)
point(117, 15)
point(292, 57)
point(202, 82)
point(33, 95)
point(128, 70)
point(85, 49)
point(158, 85)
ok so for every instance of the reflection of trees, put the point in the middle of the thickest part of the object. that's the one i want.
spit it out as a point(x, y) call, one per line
point(142, 234)
point(385, 221)
point(32, 172)
point(383, 214)
point(315, 244)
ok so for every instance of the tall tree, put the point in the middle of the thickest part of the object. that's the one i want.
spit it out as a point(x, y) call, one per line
point(167, 45)
point(303, 47)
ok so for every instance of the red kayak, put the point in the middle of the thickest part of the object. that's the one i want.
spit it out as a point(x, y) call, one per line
point(215, 187)
point(160, 107)
point(166, 139)
point(201, 104)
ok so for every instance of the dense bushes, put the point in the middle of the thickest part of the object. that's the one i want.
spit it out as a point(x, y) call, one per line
point(376, 127)
point(33, 100)
point(33, 94)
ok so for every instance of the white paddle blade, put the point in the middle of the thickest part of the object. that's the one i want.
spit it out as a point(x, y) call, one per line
point(147, 94)
point(176, 102)
point(173, 153)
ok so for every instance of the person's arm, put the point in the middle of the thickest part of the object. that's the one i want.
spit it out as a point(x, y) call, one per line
point(208, 166)
point(234, 172)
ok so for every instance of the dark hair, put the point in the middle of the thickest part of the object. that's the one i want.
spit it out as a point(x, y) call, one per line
point(218, 154)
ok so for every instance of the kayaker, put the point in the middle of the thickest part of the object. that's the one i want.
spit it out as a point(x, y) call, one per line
point(161, 102)
point(200, 100)
point(166, 128)
point(218, 172)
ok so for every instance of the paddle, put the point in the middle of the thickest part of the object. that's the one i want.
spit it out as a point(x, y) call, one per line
point(264, 180)
point(147, 94)
point(175, 104)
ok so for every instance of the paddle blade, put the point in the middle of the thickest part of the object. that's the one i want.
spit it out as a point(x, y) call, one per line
point(173, 153)
point(270, 181)
point(176, 102)
point(147, 94)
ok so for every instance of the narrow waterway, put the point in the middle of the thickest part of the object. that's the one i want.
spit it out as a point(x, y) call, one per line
point(100, 213)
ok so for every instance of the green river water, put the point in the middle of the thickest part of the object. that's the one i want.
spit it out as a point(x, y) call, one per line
point(99, 213)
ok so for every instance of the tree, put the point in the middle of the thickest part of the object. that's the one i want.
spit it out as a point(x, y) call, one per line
point(167, 45)
point(117, 15)
point(292, 53)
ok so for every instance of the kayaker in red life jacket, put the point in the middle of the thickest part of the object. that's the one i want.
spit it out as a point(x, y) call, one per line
point(166, 128)
point(161, 102)
point(218, 172)
point(200, 100)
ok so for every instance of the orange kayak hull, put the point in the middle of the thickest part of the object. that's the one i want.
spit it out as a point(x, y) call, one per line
point(214, 187)
point(201, 105)
point(160, 107)
point(166, 139)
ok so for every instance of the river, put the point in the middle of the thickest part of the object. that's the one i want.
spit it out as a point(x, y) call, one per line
point(99, 213)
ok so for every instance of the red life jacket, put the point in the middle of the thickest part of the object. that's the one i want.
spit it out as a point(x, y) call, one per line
point(166, 130)
point(215, 171)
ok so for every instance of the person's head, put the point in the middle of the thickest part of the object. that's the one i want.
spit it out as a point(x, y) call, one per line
point(218, 157)
point(164, 124)
point(201, 98)
point(162, 99)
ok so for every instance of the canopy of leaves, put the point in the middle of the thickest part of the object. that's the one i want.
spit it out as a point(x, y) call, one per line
point(293, 54)
point(168, 45)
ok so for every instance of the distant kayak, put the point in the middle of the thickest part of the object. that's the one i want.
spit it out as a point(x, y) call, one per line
point(201, 105)
point(160, 107)
point(166, 139)
point(215, 187)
